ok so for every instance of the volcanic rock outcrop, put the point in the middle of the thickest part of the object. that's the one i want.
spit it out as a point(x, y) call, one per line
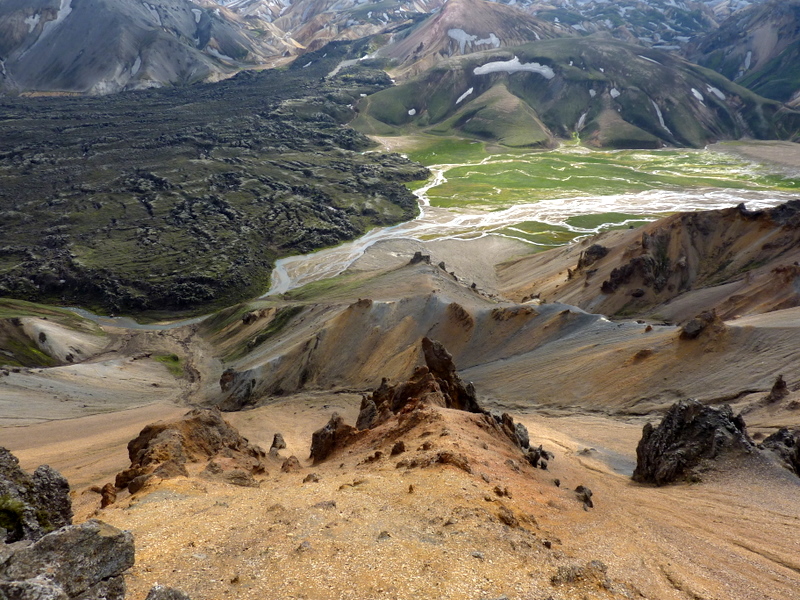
point(785, 444)
point(162, 450)
point(689, 435)
point(31, 505)
point(436, 384)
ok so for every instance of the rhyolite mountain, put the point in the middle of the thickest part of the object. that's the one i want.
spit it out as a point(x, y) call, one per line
point(104, 46)
point(758, 47)
point(610, 93)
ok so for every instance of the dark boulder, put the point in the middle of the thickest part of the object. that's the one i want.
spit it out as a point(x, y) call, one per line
point(160, 592)
point(76, 561)
point(326, 440)
point(689, 435)
point(778, 392)
point(278, 443)
point(31, 505)
point(785, 445)
point(705, 322)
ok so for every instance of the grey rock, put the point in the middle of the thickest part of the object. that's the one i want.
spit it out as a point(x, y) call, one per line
point(688, 435)
point(160, 592)
point(584, 494)
point(325, 440)
point(278, 443)
point(37, 588)
point(31, 505)
point(368, 414)
point(77, 558)
point(785, 444)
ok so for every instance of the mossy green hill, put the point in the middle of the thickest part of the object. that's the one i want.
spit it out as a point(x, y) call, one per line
point(612, 94)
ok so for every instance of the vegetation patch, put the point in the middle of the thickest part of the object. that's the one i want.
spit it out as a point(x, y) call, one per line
point(173, 363)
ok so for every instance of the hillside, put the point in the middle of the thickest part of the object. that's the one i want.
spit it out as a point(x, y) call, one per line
point(611, 94)
point(758, 47)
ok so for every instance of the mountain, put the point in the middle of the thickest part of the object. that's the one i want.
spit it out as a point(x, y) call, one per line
point(462, 27)
point(612, 94)
point(758, 47)
point(104, 46)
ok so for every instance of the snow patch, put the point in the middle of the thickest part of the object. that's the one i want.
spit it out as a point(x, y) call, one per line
point(715, 91)
point(308, 64)
point(660, 116)
point(137, 64)
point(217, 54)
point(197, 14)
point(514, 66)
point(747, 60)
point(463, 38)
point(32, 22)
point(592, 93)
point(412, 112)
point(63, 12)
point(615, 93)
point(464, 95)
point(581, 122)
point(649, 59)
point(697, 95)
point(153, 13)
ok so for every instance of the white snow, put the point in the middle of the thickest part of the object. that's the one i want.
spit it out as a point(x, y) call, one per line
point(592, 93)
point(615, 93)
point(63, 13)
point(650, 59)
point(153, 13)
point(137, 64)
point(308, 64)
point(602, 70)
point(513, 66)
point(747, 60)
point(716, 92)
point(462, 37)
point(216, 53)
point(32, 22)
point(660, 116)
point(197, 14)
point(464, 95)
point(412, 112)
point(581, 122)
point(697, 95)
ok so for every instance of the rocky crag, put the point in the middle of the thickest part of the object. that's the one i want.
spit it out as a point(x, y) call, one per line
point(44, 556)
point(203, 441)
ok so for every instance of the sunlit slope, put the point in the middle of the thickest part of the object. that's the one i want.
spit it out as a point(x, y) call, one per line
point(609, 93)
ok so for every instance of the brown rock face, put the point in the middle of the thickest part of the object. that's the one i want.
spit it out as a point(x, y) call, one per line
point(436, 383)
point(326, 440)
point(163, 449)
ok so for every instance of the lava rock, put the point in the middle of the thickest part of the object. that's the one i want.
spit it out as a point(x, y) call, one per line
point(326, 439)
point(785, 445)
point(689, 434)
point(31, 505)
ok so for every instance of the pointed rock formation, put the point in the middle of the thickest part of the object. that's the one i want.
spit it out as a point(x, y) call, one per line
point(688, 435)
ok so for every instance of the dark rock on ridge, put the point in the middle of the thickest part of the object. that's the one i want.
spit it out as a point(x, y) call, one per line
point(688, 435)
point(163, 449)
point(325, 440)
point(31, 505)
point(785, 444)
point(436, 383)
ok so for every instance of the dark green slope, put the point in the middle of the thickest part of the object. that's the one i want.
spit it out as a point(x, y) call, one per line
point(612, 94)
point(183, 198)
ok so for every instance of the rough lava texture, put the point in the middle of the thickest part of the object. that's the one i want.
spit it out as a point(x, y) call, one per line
point(162, 450)
point(434, 385)
point(689, 434)
point(42, 555)
point(785, 444)
point(31, 505)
